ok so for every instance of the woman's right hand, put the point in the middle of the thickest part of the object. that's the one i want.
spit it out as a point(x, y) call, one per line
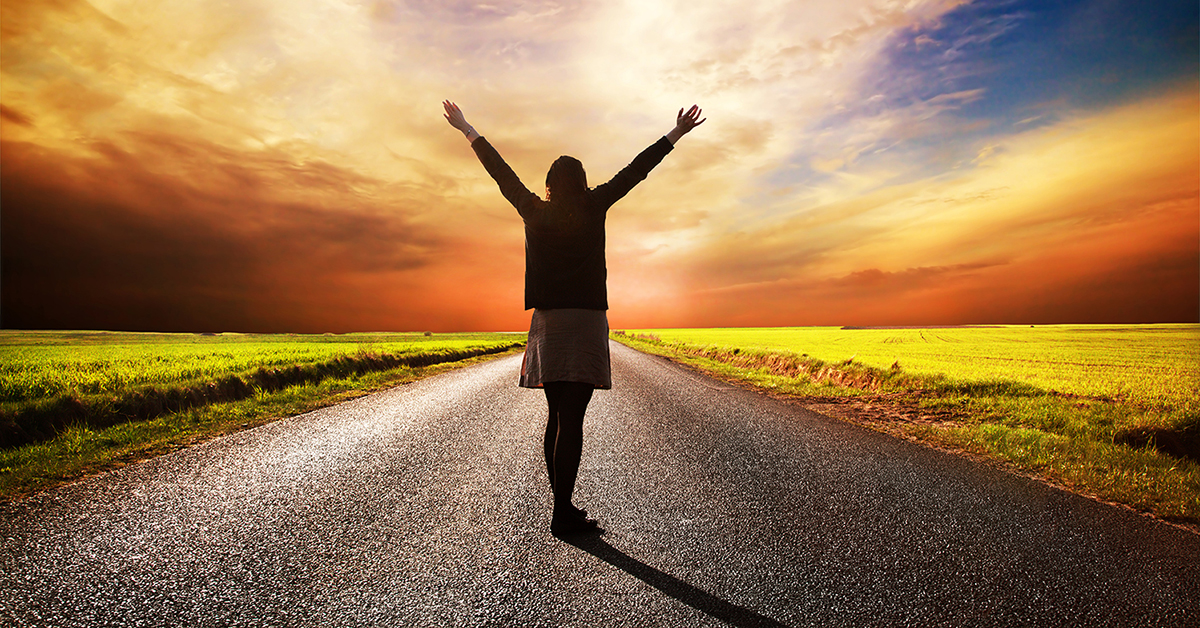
point(455, 116)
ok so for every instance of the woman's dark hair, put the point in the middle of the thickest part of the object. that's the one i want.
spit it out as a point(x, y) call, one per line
point(566, 178)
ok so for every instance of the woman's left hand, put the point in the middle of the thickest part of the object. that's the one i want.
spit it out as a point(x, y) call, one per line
point(685, 122)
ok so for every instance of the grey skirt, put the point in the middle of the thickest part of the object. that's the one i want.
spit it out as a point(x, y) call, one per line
point(567, 345)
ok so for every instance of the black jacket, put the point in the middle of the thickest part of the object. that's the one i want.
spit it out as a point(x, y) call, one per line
point(564, 240)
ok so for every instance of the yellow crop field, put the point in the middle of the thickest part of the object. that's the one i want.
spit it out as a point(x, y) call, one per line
point(1141, 364)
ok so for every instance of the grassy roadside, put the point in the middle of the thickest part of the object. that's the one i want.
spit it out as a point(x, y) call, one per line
point(1098, 447)
point(80, 451)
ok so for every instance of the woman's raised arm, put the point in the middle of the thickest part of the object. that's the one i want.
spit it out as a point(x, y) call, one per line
point(510, 185)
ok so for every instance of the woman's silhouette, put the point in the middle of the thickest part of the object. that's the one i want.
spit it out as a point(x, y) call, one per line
point(565, 273)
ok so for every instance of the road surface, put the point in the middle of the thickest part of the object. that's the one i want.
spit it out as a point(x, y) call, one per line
point(427, 505)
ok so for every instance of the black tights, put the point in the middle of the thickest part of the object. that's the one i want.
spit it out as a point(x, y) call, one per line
point(564, 436)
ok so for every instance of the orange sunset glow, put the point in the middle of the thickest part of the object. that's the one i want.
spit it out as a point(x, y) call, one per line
point(284, 166)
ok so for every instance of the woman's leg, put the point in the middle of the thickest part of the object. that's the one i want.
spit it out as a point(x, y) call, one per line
point(570, 400)
point(551, 431)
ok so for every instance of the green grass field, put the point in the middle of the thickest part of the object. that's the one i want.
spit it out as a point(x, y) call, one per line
point(40, 365)
point(1111, 411)
point(74, 403)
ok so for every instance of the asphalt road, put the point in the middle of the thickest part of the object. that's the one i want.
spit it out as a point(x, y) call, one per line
point(428, 505)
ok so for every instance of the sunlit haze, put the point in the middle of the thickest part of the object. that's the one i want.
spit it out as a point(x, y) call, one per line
point(283, 165)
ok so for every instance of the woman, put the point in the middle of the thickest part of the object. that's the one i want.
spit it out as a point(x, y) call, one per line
point(567, 351)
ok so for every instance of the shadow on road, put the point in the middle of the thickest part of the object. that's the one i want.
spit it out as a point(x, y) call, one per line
point(698, 599)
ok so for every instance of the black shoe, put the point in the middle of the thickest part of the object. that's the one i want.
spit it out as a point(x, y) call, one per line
point(572, 523)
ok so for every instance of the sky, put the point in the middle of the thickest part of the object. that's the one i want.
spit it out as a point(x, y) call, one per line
point(283, 165)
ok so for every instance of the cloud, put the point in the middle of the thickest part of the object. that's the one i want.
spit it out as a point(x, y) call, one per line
point(109, 241)
point(15, 116)
point(881, 282)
